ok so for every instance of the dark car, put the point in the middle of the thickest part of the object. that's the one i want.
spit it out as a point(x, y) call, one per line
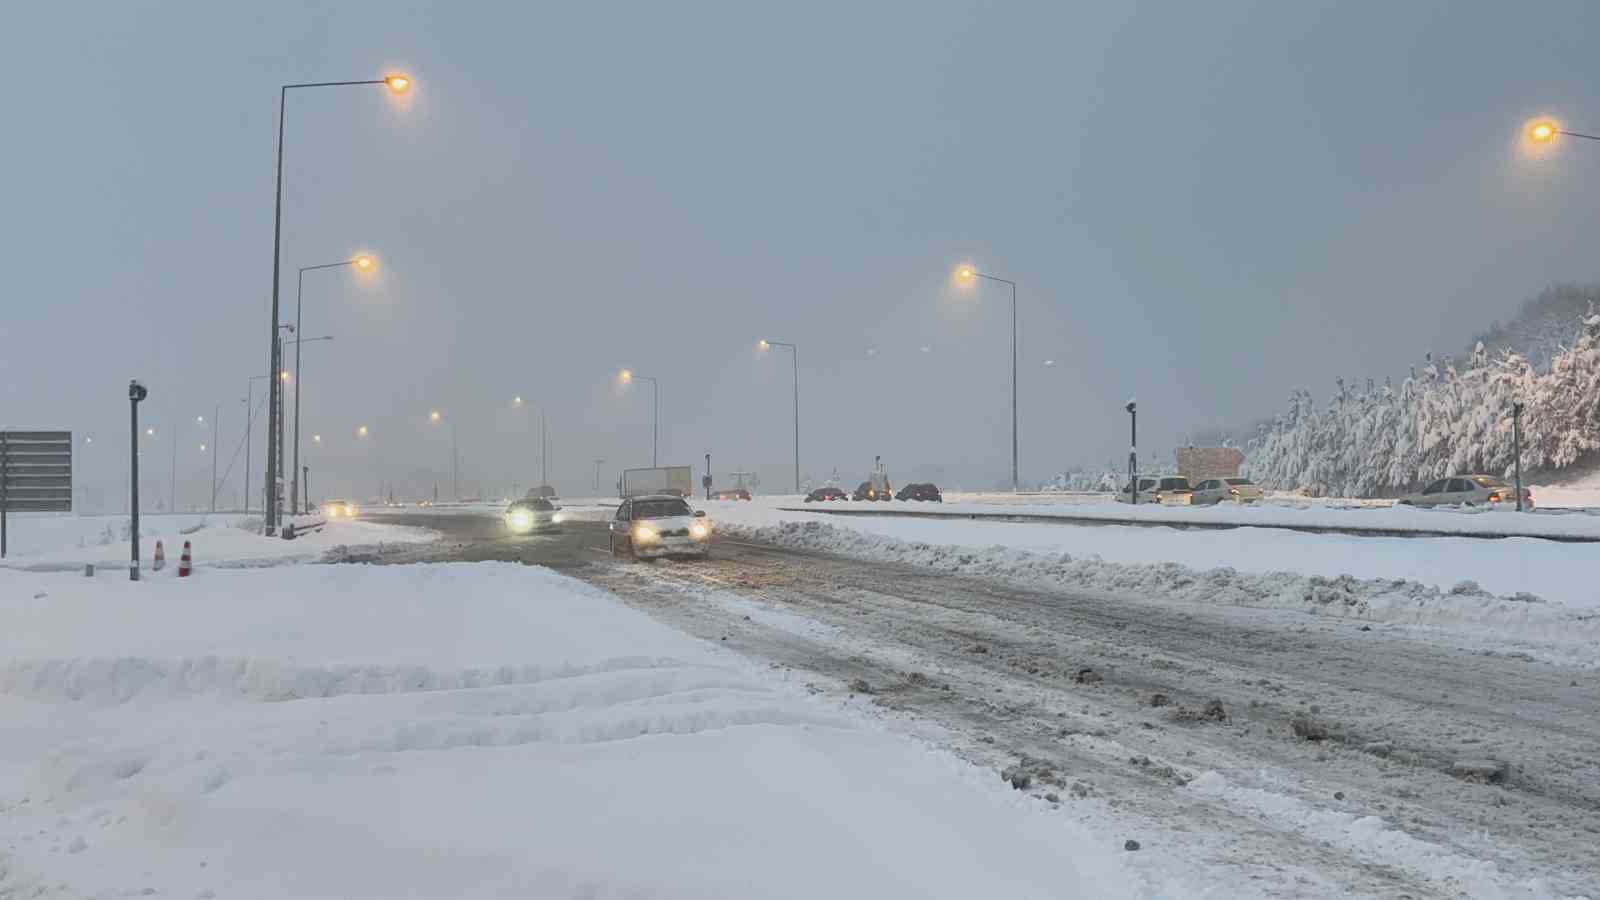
point(731, 494)
point(923, 491)
point(826, 493)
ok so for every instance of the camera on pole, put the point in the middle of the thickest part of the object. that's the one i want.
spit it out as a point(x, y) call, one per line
point(136, 393)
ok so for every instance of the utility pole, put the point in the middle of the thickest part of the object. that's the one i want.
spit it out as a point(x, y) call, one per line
point(707, 480)
point(1516, 439)
point(305, 481)
point(597, 463)
point(544, 451)
point(174, 506)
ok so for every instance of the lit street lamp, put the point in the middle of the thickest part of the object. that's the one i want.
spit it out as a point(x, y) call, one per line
point(1547, 131)
point(794, 353)
point(967, 274)
point(362, 263)
point(455, 455)
point(395, 82)
point(655, 418)
point(544, 443)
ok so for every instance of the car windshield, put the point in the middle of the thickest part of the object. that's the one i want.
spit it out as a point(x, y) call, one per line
point(538, 505)
point(1238, 481)
point(1174, 484)
point(659, 509)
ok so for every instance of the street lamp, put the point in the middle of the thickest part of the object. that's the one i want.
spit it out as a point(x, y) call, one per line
point(544, 444)
point(363, 263)
point(627, 377)
point(969, 274)
point(794, 353)
point(396, 82)
point(455, 455)
point(362, 431)
point(1547, 131)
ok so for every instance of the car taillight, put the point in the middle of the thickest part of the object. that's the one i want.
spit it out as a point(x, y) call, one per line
point(1495, 497)
point(1233, 492)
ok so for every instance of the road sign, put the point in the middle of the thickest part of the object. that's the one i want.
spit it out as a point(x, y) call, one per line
point(35, 474)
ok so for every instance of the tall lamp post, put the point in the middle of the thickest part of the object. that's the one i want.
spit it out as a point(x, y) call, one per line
point(396, 83)
point(628, 376)
point(249, 422)
point(597, 464)
point(455, 455)
point(1133, 450)
point(794, 354)
point(362, 263)
point(968, 273)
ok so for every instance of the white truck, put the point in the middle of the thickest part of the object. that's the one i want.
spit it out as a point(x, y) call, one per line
point(676, 480)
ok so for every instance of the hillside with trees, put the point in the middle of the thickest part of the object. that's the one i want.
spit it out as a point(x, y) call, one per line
point(1448, 416)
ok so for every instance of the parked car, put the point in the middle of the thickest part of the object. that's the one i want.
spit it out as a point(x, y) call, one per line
point(659, 525)
point(1170, 490)
point(532, 514)
point(922, 491)
point(824, 494)
point(875, 488)
point(732, 494)
point(1216, 490)
point(1468, 490)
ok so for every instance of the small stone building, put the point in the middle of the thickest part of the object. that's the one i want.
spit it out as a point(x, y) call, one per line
point(1203, 463)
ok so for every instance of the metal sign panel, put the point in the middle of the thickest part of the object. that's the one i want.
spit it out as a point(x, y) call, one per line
point(36, 471)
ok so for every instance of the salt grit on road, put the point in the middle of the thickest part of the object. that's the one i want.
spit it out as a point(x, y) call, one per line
point(473, 730)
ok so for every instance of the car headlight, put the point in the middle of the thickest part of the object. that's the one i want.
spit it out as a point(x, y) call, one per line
point(699, 531)
point(520, 520)
point(644, 534)
point(558, 518)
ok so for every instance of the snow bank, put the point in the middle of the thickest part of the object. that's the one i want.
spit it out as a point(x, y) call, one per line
point(1565, 634)
point(67, 542)
point(470, 730)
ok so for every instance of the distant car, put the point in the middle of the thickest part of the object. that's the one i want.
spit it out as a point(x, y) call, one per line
point(532, 514)
point(731, 494)
point(1468, 490)
point(1216, 490)
point(424, 504)
point(1168, 490)
point(922, 491)
point(824, 494)
point(338, 509)
point(659, 525)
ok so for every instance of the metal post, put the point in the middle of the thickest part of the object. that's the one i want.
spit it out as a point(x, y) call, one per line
point(270, 521)
point(708, 476)
point(1133, 452)
point(597, 463)
point(306, 486)
point(5, 512)
point(294, 493)
point(655, 422)
point(544, 451)
point(136, 392)
point(455, 463)
point(1015, 478)
point(215, 430)
point(1516, 439)
point(249, 423)
point(174, 506)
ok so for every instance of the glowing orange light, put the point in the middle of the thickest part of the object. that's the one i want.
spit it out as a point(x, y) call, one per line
point(1543, 132)
point(966, 273)
point(765, 345)
point(434, 416)
point(398, 83)
point(365, 262)
point(627, 375)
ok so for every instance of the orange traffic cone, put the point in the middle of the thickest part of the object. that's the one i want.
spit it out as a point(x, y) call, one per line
point(160, 562)
point(185, 564)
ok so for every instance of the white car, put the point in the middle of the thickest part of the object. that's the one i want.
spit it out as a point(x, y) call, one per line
point(1167, 490)
point(1216, 490)
point(1469, 490)
point(659, 525)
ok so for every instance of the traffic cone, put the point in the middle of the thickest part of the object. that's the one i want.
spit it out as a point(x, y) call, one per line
point(160, 562)
point(185, 564)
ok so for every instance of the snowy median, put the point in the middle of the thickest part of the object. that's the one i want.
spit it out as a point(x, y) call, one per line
point(469, 730)
point(1373, 579)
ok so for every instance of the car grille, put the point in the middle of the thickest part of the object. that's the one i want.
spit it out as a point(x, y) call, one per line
point(675, 532)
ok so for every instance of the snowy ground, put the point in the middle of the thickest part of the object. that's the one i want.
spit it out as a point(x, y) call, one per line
point(474, 730)
point(67, 542)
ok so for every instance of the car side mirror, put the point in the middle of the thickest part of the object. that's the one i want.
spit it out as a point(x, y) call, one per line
point(699, 514)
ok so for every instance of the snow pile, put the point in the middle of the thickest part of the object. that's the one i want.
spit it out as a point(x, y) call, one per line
point(1521, 616)
point(470, 730)
point(67, 542)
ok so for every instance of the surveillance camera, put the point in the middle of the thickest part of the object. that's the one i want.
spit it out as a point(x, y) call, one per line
point(136, 391)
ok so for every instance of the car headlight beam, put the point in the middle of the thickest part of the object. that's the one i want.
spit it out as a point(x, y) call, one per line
point(644, 534)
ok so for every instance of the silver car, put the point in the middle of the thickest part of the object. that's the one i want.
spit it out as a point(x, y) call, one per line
point(659, 525)
point(1468, 490)
point(1167, 490)
point(1216, 490)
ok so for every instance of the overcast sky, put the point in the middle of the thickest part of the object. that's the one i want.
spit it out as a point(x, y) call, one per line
point(1203, 205)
